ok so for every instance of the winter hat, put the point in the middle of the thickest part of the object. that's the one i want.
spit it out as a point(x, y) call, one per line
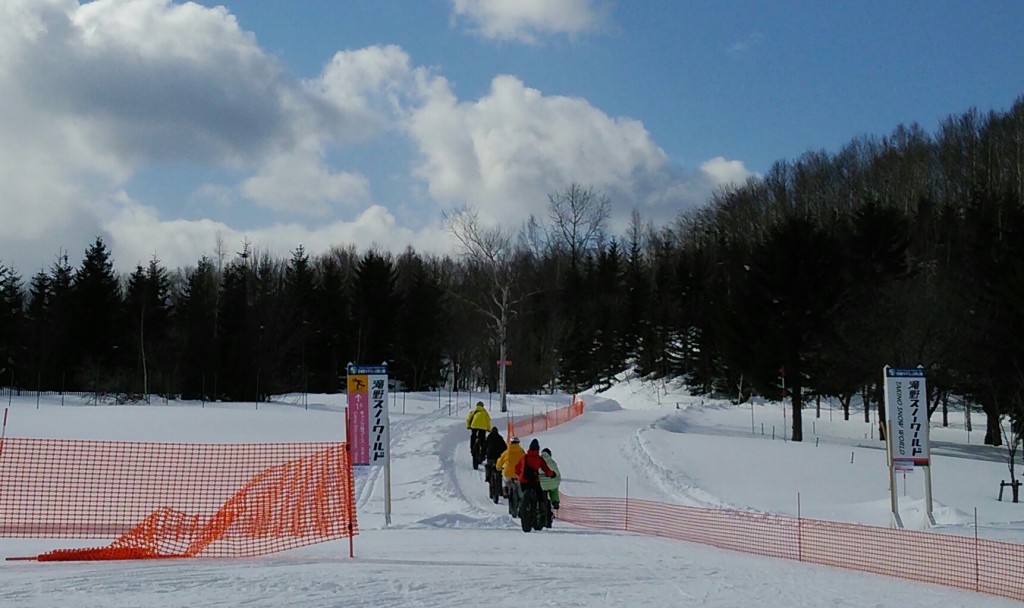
point(479, 403)
point(515, 440)
point(534, 445)
point(546, 451)
point(494, 429)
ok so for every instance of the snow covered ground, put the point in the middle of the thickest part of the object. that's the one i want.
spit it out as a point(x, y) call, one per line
point(448, 545)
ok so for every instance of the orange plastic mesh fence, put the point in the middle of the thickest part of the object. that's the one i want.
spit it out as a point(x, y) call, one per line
point(546, 420)
point(953, 561)
point(175, 499)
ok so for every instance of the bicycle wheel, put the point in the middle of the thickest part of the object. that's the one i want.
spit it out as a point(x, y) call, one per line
point(513, 499)
point(495, 483)
point(527, 510)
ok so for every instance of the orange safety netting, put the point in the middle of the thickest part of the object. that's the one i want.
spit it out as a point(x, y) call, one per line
point(176, 499)
point(545, 421)
point(954, 561)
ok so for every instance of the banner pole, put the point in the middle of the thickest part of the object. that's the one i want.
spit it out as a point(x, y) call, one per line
point(351, 502)
point(3, 433)
point(892, 478)
point(928, 494)
point(387, 473)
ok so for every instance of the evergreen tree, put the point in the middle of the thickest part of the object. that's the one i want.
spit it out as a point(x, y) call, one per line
point(98, 320)
point(61, 316)
point(239, 365)
point(299, 300)
point(374, 308)
point(147, 303)
point(609, 348)
point(788, 300)
point(199, 338)
point(38, 332)
point(333, 311)
point(13, 351)
point(421, 319)
point(575, 348)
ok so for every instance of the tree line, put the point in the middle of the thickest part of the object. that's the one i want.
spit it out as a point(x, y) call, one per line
point(901, 250)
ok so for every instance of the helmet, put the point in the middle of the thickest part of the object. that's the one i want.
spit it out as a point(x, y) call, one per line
point(546, 451)
point(479, 403)
point(515, 440)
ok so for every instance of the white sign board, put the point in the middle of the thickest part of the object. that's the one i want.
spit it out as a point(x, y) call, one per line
point(368, 414)
point(906, 404)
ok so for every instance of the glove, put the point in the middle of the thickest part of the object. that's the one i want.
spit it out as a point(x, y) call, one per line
point(550, 474)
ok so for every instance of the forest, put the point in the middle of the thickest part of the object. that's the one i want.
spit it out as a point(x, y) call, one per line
point(802, 283)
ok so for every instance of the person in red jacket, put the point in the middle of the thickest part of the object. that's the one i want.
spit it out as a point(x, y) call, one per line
point(529, 467)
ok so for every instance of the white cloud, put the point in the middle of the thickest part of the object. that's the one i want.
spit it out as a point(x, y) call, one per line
point(299, 182)
point(725, 172)
point(505, 152)
point(94, 95)
point(529, 20)
point(369, 88)
point(138, 234)
point(89, 94)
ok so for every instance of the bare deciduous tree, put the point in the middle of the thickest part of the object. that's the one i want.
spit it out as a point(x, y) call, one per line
point(491, 250)
point(578, 216)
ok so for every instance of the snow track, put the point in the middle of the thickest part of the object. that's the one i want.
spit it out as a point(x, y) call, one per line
point(678, 488)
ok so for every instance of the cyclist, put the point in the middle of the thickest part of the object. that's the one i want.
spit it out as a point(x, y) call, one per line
point(478, 422)
point(549, 486)
point(528, 471)
point(494, 448)
point(507, 463)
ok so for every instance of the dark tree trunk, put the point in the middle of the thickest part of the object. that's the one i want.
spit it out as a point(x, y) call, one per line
point(993, 436)
point(844, 401)
point(798, 404)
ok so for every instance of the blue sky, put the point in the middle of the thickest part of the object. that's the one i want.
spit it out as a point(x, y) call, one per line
point(168, 127)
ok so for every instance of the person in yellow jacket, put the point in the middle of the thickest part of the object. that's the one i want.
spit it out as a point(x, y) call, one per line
point(478, 422)
point(507, 463)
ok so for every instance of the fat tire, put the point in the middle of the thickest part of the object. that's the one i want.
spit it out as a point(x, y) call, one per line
point(527, 511)
point(513, 500)
point(495, 484)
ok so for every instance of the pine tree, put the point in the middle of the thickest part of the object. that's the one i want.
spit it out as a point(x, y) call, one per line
point(421, 317)
point(98, 318)
point(147, 304)
point(298, 303)
point(332, 307)
point(375, 308)
point(13, 351)
point(197, 322)
point(239, 364)
point(62, 346)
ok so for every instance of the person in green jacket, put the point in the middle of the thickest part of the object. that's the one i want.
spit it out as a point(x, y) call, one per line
point(478, 422)
point(549, 485)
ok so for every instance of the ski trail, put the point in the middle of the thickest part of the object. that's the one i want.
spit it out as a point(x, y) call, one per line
point(458, 481)
point(675, 484)
point(366, 484)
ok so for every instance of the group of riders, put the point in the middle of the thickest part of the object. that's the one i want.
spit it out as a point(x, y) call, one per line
point(528, 479)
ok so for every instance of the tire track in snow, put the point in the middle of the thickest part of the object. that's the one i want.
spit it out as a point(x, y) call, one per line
point(367, 486)
point(675, 484)
point(455, 476)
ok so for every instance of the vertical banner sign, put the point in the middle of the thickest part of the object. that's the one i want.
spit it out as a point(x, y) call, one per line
point(906, 402)
point(368, 413)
